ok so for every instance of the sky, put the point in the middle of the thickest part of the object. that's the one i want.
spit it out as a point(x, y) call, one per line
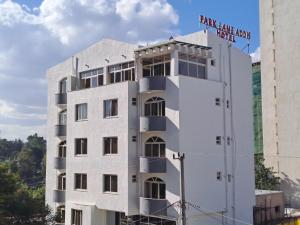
point(37, 34)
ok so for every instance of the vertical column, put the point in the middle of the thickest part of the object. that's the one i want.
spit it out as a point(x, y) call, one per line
point(174, 62)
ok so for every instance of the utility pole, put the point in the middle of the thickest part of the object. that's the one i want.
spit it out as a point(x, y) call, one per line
point(182, 191)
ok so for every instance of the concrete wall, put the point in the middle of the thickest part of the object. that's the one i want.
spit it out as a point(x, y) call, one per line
point(283, 108)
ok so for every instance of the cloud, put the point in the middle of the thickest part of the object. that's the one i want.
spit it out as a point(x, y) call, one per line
point(256, 55)
point(33, 40)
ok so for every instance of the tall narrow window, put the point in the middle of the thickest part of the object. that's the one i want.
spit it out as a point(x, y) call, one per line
point(61, 182)
point(62, 149)
point(60, 218)
point(80, 181)
point(155, 107)
point(62, 117)
point(110, 108)
point(110, 183)
point(76, 217)
point(80, 146)
point(155, 147)
point(110, 145)
point(81, 111)
point(63, 86)
point(155, 188)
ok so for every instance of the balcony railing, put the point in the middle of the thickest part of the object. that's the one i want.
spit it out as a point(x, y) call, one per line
point(149, 206)
point(60, 130)
point(61, 99)
point(60, 163)
point(149, 84)
point(152, 123)
point(59, 196)
point(153, 165)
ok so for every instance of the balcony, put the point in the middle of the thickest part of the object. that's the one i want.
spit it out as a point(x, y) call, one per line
point(149, 206)
point(153, 165)
point(61, 99)
point(152, 123)
point(59, 163)
point(149, 84)
point(60, 130)
point(59, 196)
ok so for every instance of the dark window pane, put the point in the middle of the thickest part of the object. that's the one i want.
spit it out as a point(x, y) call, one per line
point(106, 183)
point(114, 184)
point(77, 181)
point(106, 146)
point(183, 68)
point(114, 146)
point(155, 150)
point(163, 108)
point(118, 76)
point(100, 80)
point(77, 146)
point(162, 191)
point(106, 108)
point(154, 190)
point(201, 72)
point(114, 110)
point(132, 75)
point(146, 72)
point(84, 146)
point(147, 190)
point(192, 70)
point(148, 150)
point(147, 109)
point(84, 181)
point(111, 78)
point(154, 109)
point(94, 82)
point(162, 150)
point(127, 75)
point(167, 69)
point(87, 83)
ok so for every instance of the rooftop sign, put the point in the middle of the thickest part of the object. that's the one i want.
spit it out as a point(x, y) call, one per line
point(225, 31)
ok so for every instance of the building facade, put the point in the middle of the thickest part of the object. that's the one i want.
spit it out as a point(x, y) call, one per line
point(117, 113)
point(279, 30)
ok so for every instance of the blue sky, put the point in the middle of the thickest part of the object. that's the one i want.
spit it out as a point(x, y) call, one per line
point(37, 34)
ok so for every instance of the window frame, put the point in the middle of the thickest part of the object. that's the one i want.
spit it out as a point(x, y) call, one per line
point(89, 76)
point(164, 61)
point(150, 184)
point(82, 112)
point(153, 104)
point(108, 113)
point(110, 188)
point(198, 61)
point(61, 182)
point(161, 147)
point(76, 213)
point(83, 150)
point(82, 181)
point(117, 73)
point(111, 144)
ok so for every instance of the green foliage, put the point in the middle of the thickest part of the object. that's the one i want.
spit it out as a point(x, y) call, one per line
point(25, 164)
point(9, 149)
point(19, 204)
point(265, 178)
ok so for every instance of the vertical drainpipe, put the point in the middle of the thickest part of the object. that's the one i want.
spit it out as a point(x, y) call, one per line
point(223, 80)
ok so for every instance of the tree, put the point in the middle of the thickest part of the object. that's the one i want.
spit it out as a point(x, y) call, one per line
point(26, 164)
point(265, 178)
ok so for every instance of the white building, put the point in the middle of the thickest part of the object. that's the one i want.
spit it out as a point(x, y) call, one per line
point(118, 112)
point(280, 55)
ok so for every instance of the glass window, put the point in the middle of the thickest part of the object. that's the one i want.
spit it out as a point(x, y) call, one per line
point(192, 65)
point(110, 108)
point(81, 111)
point(80, 146)
point(155, 107)
point(76, 217)
point(63, 86)
point(62, 117)
point(110, 183)
point(61, 184)
point(91, 78)
point(157, 66)
point(110, 145)
point(121, 72)
point(60, 218)
point(80, 181)
point(155, 147)
point(62, 149)
point(183, 68)
point(155, 188)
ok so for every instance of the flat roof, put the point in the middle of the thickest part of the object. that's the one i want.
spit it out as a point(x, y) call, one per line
point(173, 41)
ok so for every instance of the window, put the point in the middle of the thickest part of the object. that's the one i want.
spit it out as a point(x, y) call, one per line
point(80, 146)
point(192, 65)
point(62, 149)
point(133, 138)
point(76, 217)
point(155, 147)
point(91, 78)
point(110, 145)
point(81, 112)
point(121, 72)
point(61, 182)
point(219, 176)
point(227, 104)
point(155, 107)
point(62, 117)
point(277, 209)
point(60, 216)
point(133, 178)
point(212, 62)
point(110, 183)
point(218, 140)
point(155, 188)
point(218, 101)
point(80, 181)
point(110, 108)
point(157, 66)
point(63, 86)
point(133, 101)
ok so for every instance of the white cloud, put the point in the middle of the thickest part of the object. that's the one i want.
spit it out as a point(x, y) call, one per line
point(33, 40)
point(256, 55)
point(16, 131)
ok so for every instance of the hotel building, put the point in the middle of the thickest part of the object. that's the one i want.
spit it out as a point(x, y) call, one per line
point(117, 113)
